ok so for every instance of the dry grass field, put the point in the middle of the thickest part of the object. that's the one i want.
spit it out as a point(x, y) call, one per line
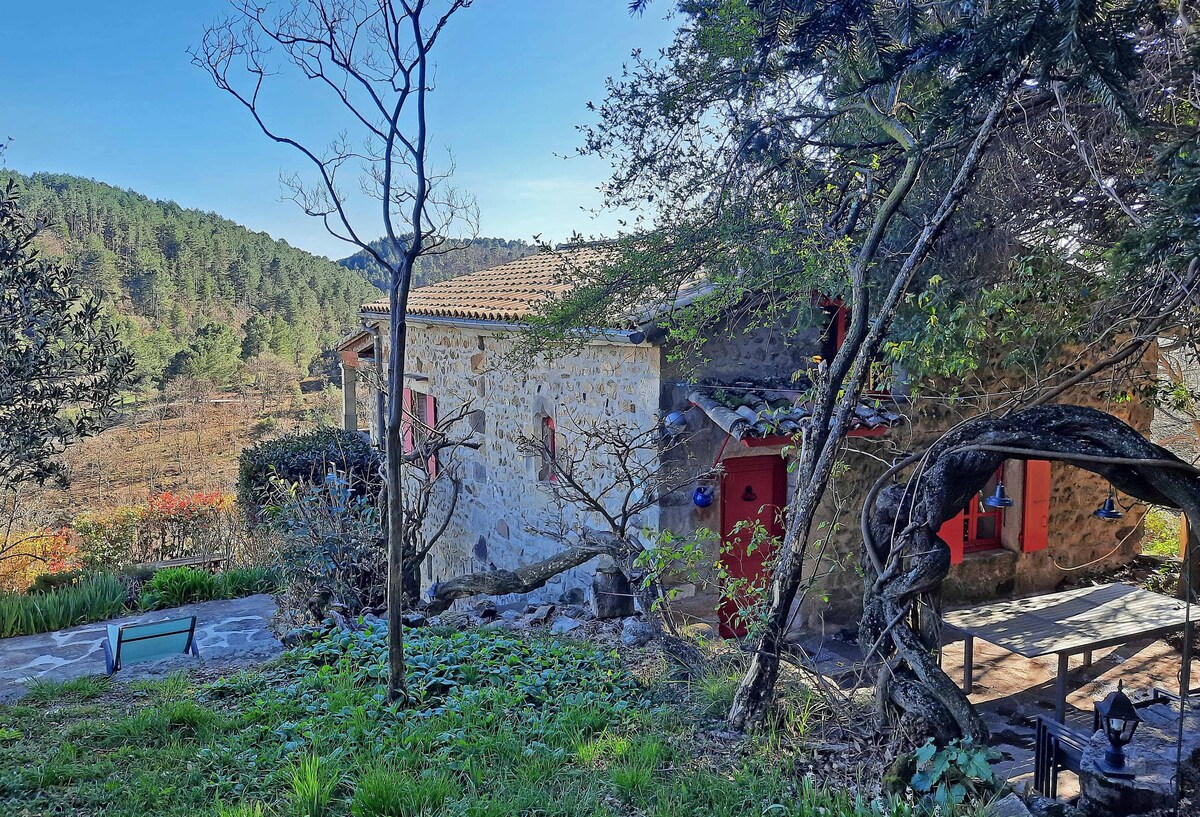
point(180, 445)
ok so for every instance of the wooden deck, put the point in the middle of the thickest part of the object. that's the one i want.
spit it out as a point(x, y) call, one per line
point(1070, 623)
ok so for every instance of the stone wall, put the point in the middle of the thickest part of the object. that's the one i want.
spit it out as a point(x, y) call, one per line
point(831, 597)
point(506, 517)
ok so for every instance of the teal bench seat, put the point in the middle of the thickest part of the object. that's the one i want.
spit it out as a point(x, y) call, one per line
point(145, 642)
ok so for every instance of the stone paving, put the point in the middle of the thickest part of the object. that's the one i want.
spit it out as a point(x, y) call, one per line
point(1011, 691)
point(231, 633)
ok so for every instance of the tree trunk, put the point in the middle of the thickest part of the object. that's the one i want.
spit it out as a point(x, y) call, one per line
point(905, 561)
point(411, 582)
point(393, 465)
point(522, 580)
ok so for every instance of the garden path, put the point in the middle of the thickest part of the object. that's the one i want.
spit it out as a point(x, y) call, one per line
point(229, 633)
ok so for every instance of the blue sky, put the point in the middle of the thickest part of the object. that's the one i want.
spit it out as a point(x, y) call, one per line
point(107, 90)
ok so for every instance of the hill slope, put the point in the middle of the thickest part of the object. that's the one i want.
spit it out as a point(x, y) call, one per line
point(469, 255)
point(171, 271)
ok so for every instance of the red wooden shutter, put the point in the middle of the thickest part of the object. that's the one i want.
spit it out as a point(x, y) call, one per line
point(431, 421)
point(406, 426)
point(1035, 526)
point(953, 531)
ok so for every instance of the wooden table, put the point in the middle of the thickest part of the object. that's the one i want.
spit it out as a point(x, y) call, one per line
point(1070, 623)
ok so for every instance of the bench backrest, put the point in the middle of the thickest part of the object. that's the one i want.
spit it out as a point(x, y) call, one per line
point(143, 642)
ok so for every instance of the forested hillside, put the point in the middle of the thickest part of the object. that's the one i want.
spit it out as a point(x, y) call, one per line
point(467, 255)
point(194, 293)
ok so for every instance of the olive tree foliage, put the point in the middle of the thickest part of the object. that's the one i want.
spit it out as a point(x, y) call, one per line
point(868, 151)
point(372, 58)
point(61, 366)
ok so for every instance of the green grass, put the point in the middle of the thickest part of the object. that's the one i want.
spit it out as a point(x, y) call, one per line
point(85, 687)
point(496, 725)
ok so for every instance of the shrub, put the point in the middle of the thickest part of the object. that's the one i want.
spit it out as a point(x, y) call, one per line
point(304, 458)
point(48, 582)
point(237, 582)
point(168, 526)
point(176, 586)
point(1161, 536)
point(25, 556)
point(333, 543)
point(96, 598)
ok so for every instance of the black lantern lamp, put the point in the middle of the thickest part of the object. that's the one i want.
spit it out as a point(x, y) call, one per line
point(1119, 719)
point(999, 499)
point(1109, 509)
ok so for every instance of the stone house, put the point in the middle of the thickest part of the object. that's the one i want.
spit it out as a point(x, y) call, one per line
point(735, 409)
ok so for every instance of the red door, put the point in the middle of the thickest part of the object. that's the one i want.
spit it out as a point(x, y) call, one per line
point(753, 494)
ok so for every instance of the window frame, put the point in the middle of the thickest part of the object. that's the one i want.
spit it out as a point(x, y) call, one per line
point(410, 416)
point(549, 450)
point(973, 512)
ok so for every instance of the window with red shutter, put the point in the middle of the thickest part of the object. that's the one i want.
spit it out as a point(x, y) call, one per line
point(953, 532)
point(1035, 527)
point(430, 421)
point(546, 472)
point(406, 421)
point(983, 524)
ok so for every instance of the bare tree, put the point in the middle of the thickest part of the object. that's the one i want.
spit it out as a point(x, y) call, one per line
point(373, 57)
point(433, 487)
point(608, 482)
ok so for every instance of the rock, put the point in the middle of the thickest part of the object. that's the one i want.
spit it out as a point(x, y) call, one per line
point(455, 620)
point(564, 624)
point(299, 636)
point(1150, 757)
point(573, 596)
point(486, 610)
point(1009, 806)
point(612, 596)
point(542, 614)
point(1042, 806)
point(700, 631)
point(531, 608)
point(412, 620)
point(576, 611)
point(899, 775)
point(636, 633)
point(510, 615)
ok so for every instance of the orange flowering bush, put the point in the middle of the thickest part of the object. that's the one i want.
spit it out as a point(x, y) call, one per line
point(167, 526)
point(25, 556)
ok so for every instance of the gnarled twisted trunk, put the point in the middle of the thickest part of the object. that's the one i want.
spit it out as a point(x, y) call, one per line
point(905, 561)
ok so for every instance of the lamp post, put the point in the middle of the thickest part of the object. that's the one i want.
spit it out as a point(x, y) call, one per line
point(1119, 719)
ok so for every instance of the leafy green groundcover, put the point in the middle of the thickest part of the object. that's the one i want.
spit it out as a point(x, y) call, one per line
point(497, 725)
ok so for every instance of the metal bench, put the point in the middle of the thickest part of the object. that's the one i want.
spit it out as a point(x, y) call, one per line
point(1057, 748)
point(145, 642)
point(211, 561)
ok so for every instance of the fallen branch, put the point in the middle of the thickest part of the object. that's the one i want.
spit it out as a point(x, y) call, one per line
point(523, 579)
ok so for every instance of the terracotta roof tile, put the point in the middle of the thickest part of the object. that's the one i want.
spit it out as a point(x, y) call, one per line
point(506, 293)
